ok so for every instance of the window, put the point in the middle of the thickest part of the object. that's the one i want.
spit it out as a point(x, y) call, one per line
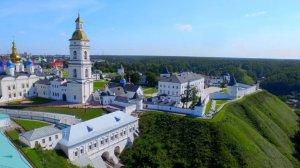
point(85, 55)
point(86, 73)
point(14, 87)
point(112, 138)
point(50, 139)
point(27, 85)
point(15, 95)
point(116, 136)
point(74, 55)
point(74, 73)
point(43, 140)
point(106, 140)
point(23, 85)
point(81, 150)
point(95, 145)
point(102, 142)
point(56, 136)
point(8, 87)
point(20, 93)
point(76, 153)
point(90, 147)
point(74, 97)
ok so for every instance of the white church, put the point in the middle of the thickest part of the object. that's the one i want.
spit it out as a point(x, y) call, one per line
point(17, 83)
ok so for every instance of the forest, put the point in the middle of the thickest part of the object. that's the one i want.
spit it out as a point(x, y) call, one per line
point(282, 77)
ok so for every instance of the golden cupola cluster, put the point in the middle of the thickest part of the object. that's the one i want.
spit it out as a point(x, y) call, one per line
point(14, 57)
point(79, 34)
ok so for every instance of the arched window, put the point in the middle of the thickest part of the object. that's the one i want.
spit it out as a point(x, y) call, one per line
point(86, 73)
point(74, 55)
point(74, 73)
point(85, 55)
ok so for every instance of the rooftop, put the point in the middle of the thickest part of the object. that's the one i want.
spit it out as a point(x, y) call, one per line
point(95, 127)
point(183, 77)
point(40, 132)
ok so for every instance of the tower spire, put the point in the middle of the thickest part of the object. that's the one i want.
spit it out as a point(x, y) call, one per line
point(15, 58)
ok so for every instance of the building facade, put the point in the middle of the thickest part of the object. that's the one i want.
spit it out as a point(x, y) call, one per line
point(88, 142)
point(175, 85)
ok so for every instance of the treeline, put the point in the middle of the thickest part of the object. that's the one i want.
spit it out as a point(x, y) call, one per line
point(282, 76)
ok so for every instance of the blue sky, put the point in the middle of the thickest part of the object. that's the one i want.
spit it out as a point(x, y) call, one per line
point(223, 28)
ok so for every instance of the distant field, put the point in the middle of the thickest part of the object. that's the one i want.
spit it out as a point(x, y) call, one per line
point(99, 85)
point(29, 124)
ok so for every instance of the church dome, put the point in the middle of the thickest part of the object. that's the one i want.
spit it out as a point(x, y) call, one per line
point(123, 81)
point(29, 62)
point(15, 58)
point(9, 64)
point(79, 35)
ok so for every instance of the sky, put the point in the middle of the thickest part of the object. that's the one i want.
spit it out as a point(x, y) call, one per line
point(204, 28)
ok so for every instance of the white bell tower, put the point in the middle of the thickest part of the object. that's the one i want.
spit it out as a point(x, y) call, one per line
point(80, 82)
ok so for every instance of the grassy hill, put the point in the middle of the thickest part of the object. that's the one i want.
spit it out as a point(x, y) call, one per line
point(253, 132)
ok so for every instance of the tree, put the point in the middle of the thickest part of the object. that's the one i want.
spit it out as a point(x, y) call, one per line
point(134, 77)
point(223, 85)
point(151, 79)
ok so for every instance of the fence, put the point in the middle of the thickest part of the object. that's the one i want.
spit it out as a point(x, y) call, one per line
point(59, 119)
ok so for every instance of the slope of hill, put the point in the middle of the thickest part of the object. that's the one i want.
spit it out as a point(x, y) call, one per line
point(253, 132)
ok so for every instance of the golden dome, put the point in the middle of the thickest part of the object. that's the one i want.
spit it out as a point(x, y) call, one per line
point(79, 35)
point(14, 57)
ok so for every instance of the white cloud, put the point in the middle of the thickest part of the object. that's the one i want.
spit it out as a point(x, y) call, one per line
point(62, 34)
point(255, 14)
point(184, 27)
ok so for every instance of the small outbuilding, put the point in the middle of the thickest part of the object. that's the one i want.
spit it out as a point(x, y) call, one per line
point(47, 137)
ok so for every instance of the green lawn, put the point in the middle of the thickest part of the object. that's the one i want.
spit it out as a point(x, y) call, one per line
point(53, 159)
point(29, 124)
point(223, 91)
point(35, 100)
point(65, 73)
point(150, 90)
point(99, 85)
point(207, 107)
point(219, 103)
point(84, 114)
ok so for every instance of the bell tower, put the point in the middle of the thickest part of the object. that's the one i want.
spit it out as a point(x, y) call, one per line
point(80, 82)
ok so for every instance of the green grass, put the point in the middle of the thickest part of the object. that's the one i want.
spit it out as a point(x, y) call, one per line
point(83, 114)
point(99, 85)
point(35, 100)
point(30, 124)
point(53, 158)
point(223, 91)
point(219, 103)
point(207, 107)
point(65, 73)
point(150, 90)
point(255, 131)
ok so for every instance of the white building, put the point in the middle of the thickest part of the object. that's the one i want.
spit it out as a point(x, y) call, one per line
point(17, 83)
point(120, 70)
point(175, 85)
point(105, 137)
point(4, 120)
point(126, 95)
point(47, 137)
